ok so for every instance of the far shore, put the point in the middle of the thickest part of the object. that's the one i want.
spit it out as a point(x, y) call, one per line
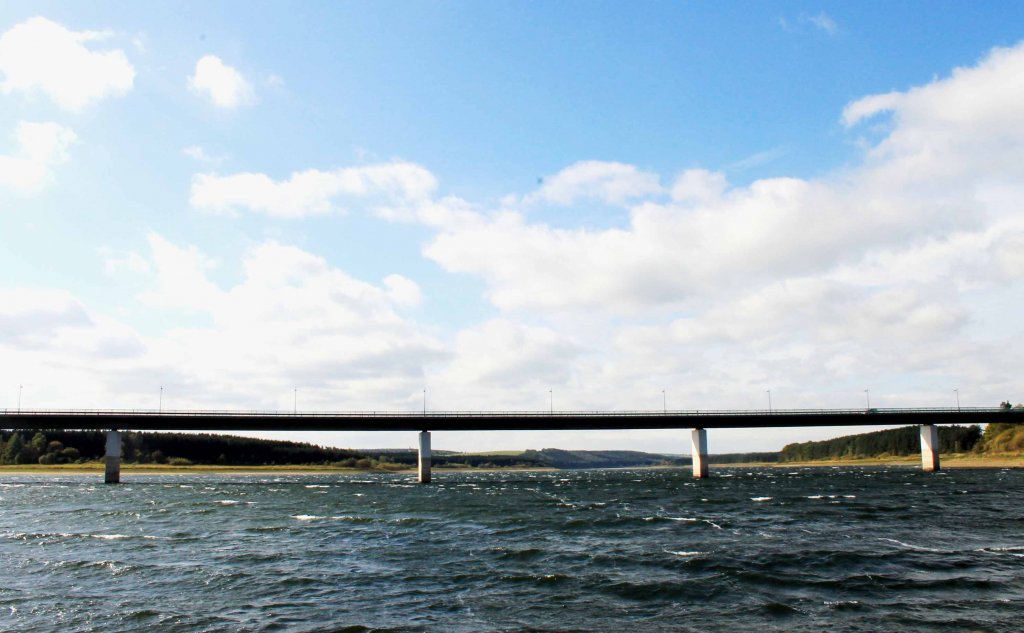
point(203, 469)
point(954, 460)
point(959, 460)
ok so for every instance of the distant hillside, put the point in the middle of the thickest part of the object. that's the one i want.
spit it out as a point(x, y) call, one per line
point(558, 458)
point(545, 458)
point(902, 441)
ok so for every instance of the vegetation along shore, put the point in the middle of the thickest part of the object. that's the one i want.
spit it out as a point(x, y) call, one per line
point(53, 451)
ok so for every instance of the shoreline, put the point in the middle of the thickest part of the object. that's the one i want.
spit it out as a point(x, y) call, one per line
point(955, 460)
point(947, 461)
point(200, 469)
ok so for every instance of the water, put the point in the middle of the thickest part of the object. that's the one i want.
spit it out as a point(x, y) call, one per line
point(644, 550)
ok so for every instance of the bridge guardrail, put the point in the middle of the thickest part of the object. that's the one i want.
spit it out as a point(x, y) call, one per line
point(186, 413)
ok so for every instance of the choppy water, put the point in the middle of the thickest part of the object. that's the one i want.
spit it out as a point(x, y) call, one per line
point(805, 550)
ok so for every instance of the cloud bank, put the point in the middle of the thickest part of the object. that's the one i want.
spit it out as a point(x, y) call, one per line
point(901, 272)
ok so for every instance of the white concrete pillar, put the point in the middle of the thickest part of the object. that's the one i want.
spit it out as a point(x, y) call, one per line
point(112, 471)
point(424, 464)
point(699, 450)
point(929, 448)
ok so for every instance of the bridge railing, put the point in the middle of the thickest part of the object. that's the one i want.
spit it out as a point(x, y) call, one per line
point(185, 413)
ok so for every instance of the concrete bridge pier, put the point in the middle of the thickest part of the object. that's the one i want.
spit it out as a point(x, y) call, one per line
point(424, 461)
point(699, 450)
point(112, 471)
point(929, 448)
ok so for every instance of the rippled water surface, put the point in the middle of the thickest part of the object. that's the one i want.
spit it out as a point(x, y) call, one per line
point(646, 550)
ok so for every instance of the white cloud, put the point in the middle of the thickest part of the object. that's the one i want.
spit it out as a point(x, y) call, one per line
point(971, 119)
point(53, 341)
point(953, 143)
point(223, 85)
point(181, 276)
point(758, 158)
point(41, 147)
point(901, 273)
point(402, 290)
point(117, 262)
point(310, 192)
point(824, 22)
point(502, 353)
point(867, 107)
point(42, 56)
point(32, 315)
point(603, 181)
point(291, 320)
point(449, 211)
point(197, 153)
point(699, 185)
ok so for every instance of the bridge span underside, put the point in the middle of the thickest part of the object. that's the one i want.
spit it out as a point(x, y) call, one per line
point(425, 422)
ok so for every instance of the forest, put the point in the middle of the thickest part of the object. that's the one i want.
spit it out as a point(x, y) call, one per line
point(892, 442)
point(67, 447)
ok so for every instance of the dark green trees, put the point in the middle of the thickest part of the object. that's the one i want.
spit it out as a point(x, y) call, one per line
point(13, 450)
point(904, 441)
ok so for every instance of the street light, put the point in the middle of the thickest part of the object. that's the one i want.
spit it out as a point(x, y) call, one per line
point(867, 395)
point(957, 392)
point(551, 400)
point(295, 401)
point(160, 406)
point(20, 387)
point(769, 391)
point(664, 402)
point(424, 402)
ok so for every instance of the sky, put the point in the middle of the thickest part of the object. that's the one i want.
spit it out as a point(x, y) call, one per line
point(512, 206)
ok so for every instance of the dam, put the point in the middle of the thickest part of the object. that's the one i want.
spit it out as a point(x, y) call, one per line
point(426, 422)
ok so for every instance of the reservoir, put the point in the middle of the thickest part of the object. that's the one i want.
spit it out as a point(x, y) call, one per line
point(802, 549)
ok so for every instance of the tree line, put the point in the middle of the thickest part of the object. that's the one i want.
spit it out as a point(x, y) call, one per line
point(182, 449)
point(892, 442)
point(68, 447)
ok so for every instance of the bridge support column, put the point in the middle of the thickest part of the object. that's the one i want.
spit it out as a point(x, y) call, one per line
point(699, 441)
point(424, 461)
point(929, 448)
point(112, 471)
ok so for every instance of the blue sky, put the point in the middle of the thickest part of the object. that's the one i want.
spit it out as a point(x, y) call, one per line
point(491, 200)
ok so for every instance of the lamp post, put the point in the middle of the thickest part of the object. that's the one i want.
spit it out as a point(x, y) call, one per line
point(867, 396)
point(957, 392)
point(769, 391)
point(551, 401)
point(160, 405)
point(295, 401)
point(424, 402)
point(20, 387)
point(664, 402)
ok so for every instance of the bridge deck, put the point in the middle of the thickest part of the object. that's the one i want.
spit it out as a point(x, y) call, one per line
point(148, 420)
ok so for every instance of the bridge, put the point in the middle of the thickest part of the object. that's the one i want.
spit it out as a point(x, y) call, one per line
point(115, 421)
